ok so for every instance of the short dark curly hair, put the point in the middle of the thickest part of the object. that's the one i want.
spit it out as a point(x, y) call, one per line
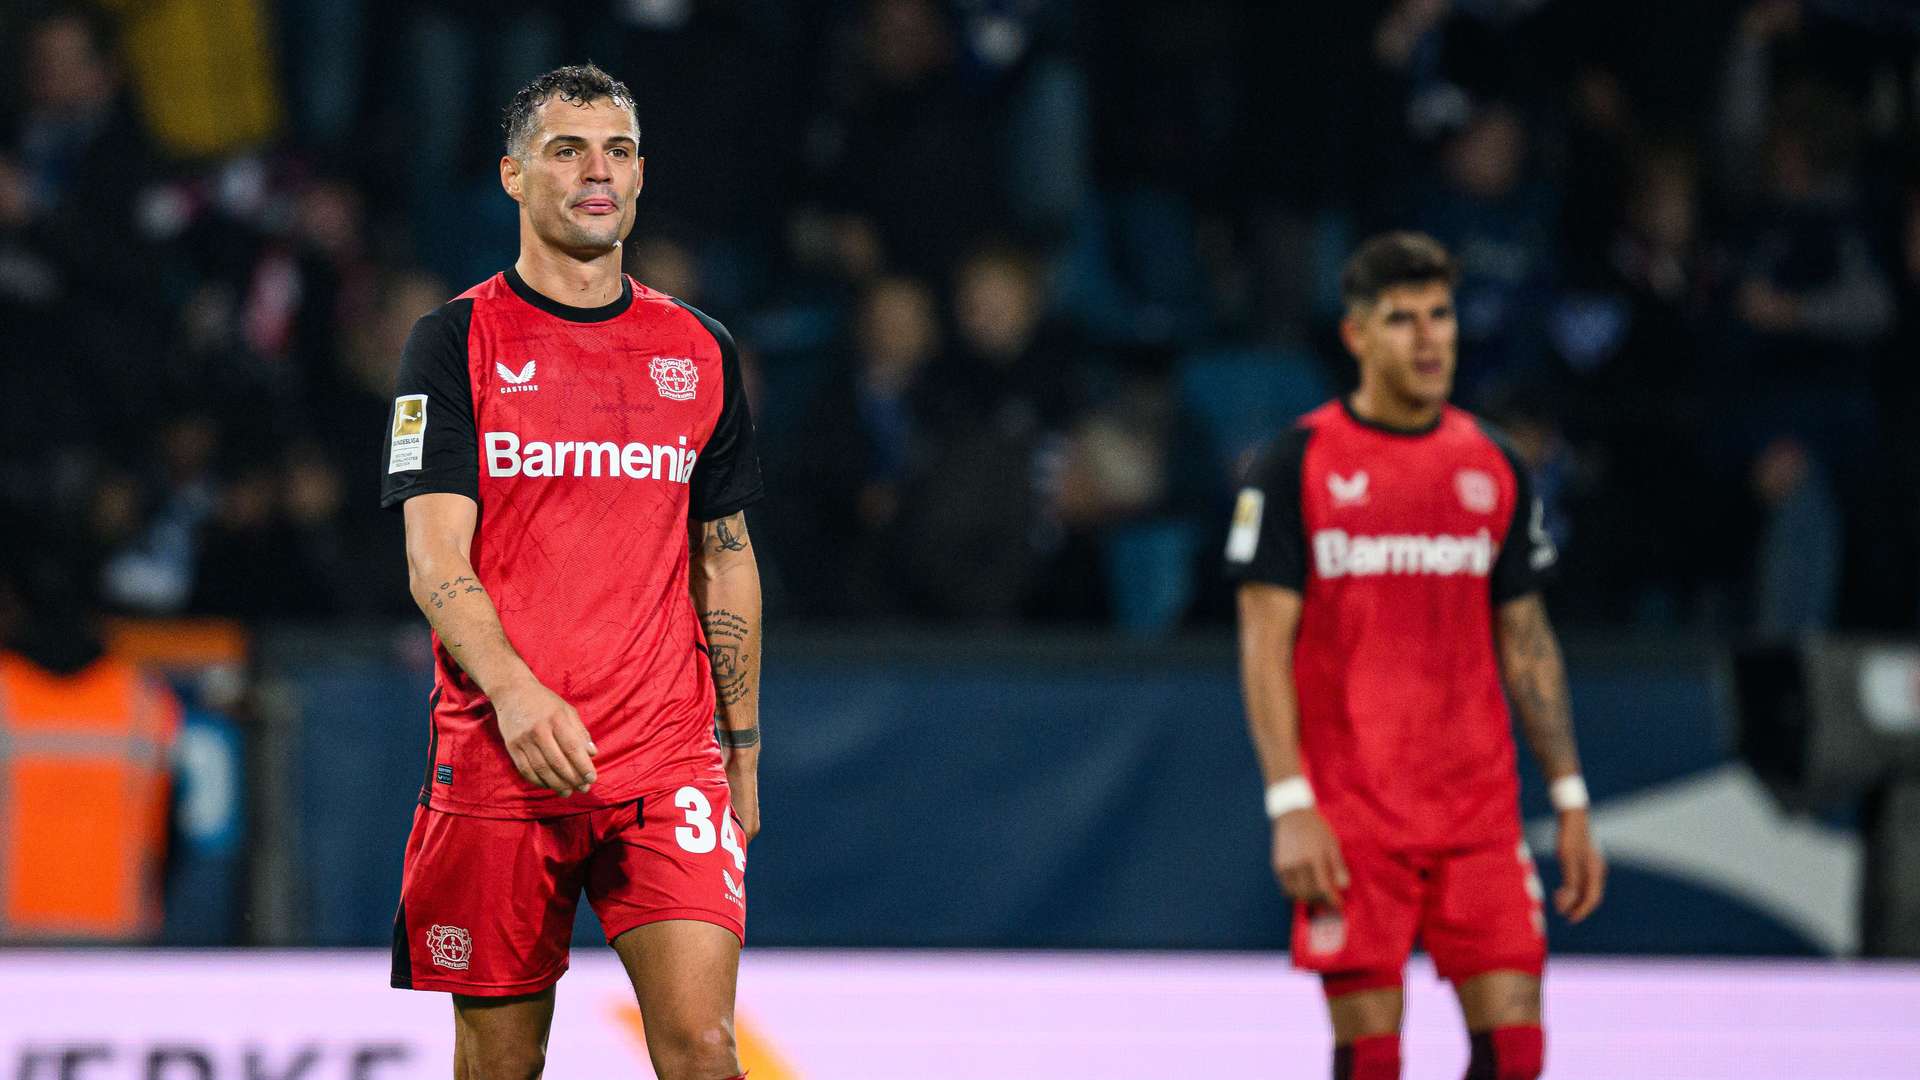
point(581, 84)
point(1392, 259)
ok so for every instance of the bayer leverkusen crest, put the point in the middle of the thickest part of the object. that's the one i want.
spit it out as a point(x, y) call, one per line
point(676, 376)
point(450, 946)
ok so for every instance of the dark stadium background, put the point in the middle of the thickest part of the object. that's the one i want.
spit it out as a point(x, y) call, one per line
point(1018, 284)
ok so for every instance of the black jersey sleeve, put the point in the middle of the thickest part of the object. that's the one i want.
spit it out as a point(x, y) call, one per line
point(726, 476)
point(1528, 555)
point(1267, 540)
point(430, 444)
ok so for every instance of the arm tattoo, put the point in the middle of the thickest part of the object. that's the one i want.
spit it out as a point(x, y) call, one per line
point(725, 538)
point(739, 738)
point(727, 641)
point(1536, 680)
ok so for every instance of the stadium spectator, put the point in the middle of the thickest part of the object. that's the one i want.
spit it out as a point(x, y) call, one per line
point(903, 133)
point(73, 172)
point(1488, 204)
point(864, 436)
point(84, 837)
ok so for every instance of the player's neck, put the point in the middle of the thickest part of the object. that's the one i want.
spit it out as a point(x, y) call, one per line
point(1386, 409)
point(561, 278)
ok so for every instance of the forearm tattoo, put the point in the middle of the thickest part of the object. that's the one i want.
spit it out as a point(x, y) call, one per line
point(1536, 681)
point(726, 538)
point(728, 638)
point(740, 738)
point(439, 597)
point(447, 590)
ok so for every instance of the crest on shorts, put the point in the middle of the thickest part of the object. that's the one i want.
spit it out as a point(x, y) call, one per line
point(1326, 932)
point(1477, 491)
point(676, 376)
point(451, 946)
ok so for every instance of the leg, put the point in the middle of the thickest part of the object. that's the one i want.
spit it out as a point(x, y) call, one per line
point(1500, 999)
point(1502, 1010)
point(1359, 953)
point(1484, 929)
point(501, 1038)
point(683, 974)
point(1366, 1032)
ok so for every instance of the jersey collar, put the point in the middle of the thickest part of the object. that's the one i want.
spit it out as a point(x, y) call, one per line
point(1346, 405)
point(567, 311)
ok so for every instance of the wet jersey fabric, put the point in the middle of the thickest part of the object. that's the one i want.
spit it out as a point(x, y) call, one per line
point(1401, 544)
point(588, 437)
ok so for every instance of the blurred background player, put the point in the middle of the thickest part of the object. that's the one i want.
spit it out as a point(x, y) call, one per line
point(1389, 551)
point(594, 600)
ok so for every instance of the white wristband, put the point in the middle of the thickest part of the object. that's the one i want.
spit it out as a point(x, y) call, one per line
point(1286, 796)
point(1568, 793)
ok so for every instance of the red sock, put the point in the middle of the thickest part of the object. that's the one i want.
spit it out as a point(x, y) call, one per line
point(1508, 1053)
point(1373, 1057)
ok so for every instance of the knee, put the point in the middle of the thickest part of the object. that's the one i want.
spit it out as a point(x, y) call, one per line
point(695, 1052)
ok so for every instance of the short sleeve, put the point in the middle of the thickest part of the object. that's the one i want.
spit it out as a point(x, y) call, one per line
point(430, 443)
point(1267, 541)
point(1528, 554)
point(726, 476)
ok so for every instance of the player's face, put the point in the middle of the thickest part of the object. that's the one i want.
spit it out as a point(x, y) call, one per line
point(1405, 342)
point(581, 178)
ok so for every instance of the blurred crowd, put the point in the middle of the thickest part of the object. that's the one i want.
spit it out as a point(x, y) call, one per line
point(1018, 282)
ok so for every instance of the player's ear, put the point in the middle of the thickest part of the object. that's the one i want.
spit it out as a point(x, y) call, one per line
point(510, 176)
point(1350, 331)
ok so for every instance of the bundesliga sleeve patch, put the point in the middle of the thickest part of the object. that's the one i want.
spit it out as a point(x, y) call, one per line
point(409, 433)
point(1243, 539)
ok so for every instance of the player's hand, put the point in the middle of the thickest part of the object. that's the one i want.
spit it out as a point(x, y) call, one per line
point(743, 784)
point(545, 738)
point(1306, 858)
point(1583, 870)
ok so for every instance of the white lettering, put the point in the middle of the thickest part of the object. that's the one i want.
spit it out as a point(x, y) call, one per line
point(538, 460)
point(597, 452)
point(636, 461)
point(503, 453)
point(1336, 554)
point(507, 456)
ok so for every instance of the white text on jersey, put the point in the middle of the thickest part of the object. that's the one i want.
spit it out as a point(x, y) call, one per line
point(635, 461)
point(1336, 554)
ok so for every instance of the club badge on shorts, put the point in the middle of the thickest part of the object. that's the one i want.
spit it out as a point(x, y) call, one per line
point(451, 946)
point(1326, 931)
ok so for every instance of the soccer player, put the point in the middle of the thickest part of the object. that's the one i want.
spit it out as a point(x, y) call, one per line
point(1389, 553)
point(572, 453)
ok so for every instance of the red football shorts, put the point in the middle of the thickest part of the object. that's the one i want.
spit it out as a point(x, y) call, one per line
point(1475, 910)
point(487, 904)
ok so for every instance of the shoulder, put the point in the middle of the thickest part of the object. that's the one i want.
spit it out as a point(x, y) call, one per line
point(1280, 456)
point(1488, 435)
point(449, 321)
point(670, 304)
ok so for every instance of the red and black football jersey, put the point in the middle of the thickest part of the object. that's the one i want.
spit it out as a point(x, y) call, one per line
point(588, 438)
point(1401, 544)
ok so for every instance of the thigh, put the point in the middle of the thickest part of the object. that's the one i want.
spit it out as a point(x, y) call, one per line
point(1484, 914)
point(501, 1036)
point(684, 973)
point(1499, 999)
point(676, 854)
point(1365, 945)
point(487, 905)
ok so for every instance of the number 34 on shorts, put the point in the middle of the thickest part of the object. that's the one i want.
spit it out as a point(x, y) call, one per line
point(698, 836)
